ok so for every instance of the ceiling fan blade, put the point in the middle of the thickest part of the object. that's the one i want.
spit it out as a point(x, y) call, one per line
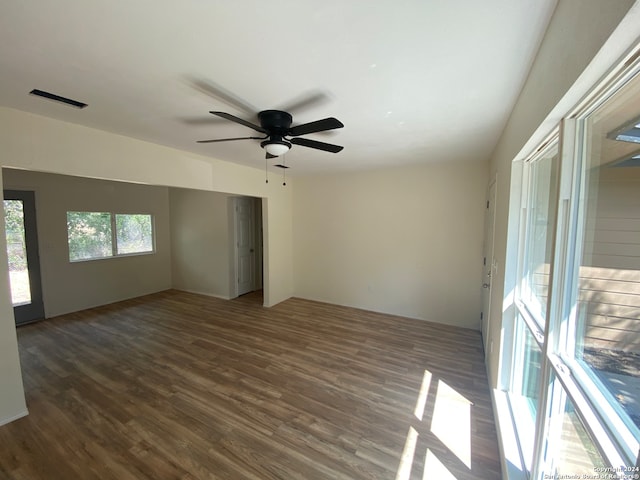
point(219, 93)
point(306, 142)
point(317, 126)
point(305, 101)
point(233, 118)
point(230, 139)
point(202, 121)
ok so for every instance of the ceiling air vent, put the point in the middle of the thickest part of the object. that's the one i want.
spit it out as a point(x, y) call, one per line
point(57, 98)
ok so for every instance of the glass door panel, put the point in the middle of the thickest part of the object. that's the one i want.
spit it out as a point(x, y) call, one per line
point(17, 252)
point(22, 253)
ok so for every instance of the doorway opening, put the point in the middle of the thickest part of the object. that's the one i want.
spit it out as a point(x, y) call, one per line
point(247, 234)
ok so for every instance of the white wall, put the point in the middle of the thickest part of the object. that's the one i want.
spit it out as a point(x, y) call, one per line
point(404, 240)
point(37, 143)
point(569, 62)
point(200, 257)
point(69, 287)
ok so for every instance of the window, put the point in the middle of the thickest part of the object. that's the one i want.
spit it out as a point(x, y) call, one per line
point(534, 265)
point(572, 451)
point(89, 235)
point(94, 235)
point(134, 234)
point(539, 222)
point(572, 342)
point(525, 387)
point(603, 324)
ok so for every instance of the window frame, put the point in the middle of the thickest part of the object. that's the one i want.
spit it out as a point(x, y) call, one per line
point(564, 332)
point(532, 310)
point(563, 378)
point(622, 446)
point(114, 237)
point(114, 229)
point(537, 327)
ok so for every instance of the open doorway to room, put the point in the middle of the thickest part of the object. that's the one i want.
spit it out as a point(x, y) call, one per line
point(216, 249)
point(246, 242)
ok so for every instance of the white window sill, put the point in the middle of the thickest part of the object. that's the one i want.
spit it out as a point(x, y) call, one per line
point(512, 465)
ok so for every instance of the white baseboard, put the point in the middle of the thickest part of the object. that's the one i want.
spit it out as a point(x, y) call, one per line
point(206, 294)
point(21, 414)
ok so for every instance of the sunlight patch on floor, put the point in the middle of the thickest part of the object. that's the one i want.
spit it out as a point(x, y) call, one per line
point(434, 468)
point(406, 461)
point(422, 396)
point(451, 422)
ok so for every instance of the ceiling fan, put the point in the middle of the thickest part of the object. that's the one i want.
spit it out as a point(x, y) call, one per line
point(276, 127)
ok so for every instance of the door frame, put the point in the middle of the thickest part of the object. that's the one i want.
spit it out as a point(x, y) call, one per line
point(34, 310)
point(488, 265)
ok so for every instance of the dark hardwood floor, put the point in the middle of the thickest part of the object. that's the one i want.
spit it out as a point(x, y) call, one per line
point(181, 386)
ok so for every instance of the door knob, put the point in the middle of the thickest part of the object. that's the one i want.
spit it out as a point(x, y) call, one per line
point(485, 285)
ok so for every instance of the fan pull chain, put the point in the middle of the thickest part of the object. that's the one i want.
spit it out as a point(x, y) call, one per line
point(266, 171)
point(284, 170)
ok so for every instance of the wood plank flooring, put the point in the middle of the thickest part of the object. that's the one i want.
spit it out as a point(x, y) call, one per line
point(181, 386)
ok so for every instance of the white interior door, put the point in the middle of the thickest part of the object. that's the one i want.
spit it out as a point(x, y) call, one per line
point(245, 244)
point(488, 265)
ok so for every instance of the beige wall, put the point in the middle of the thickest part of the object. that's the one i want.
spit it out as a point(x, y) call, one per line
point(72, 286)
point(12, 401)
point(278, 244)
point(200, 257)
point(38, 143)
point(569, 62)
point(32, 142)
point(416, 237)
point(405, 240)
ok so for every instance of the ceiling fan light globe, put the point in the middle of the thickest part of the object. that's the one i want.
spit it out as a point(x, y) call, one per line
point(276, 148)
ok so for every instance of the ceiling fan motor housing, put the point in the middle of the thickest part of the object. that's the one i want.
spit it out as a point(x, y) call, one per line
point(276, 126)
point(275, 121)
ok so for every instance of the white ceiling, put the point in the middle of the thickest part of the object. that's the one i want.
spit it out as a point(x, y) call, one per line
point(412, 80)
